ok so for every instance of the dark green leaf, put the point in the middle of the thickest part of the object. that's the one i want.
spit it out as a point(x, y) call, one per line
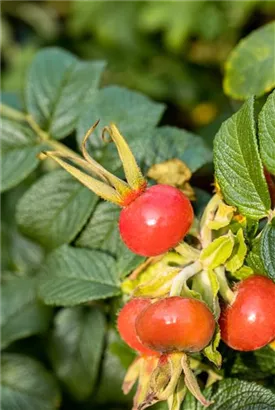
point(19, 149)
point(267, 132)
point(19, 253)
point(55, 209)
point(22, 315)
point(132, 112)
point(254, 365)
point(254, 54)
point(73, 276)
point(26, 385)
point(102, 231)
point(75, 348)
point(117, 358)
point(268, 249)
point(57, 85)
point(127, 261)
point(254, 259)
point(238, 168)
point(166, 143)
point(233, 394)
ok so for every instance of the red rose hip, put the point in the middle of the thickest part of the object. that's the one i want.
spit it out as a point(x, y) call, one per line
point(126, 324)
point(156, 221)
point(249, 322)
point(176, 324)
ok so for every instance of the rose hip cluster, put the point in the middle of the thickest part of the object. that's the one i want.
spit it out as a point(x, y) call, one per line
point(177, 324)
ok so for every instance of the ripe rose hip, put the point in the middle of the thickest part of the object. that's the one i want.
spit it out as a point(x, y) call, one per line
point(249, 322)
point(176, 324)
point(156, 221)
point(126, 324)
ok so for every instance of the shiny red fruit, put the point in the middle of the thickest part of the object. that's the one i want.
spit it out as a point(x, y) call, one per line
point(249, 322)
point(176, 324)
point(156, 221)
point(126, 324)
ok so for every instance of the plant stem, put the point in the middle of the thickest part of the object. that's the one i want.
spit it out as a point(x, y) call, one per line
point(226, 293)
point(58, 146)
point(183, 276)
point(12, 113)
point(43, 135)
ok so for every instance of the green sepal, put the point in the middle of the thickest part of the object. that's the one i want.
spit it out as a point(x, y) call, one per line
point(211, 351)
point(217, 252)
point(243, 273)
point(222, 217)
point(155, 275)
point(236, 260)
point(157, 287)
point(205, 283)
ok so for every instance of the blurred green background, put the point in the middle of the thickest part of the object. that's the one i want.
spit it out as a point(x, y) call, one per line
point(172, 51)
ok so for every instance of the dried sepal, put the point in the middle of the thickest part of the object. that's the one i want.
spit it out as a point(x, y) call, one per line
point(132, 171)
point(173, 172)
point(99, 188)
point(142, 398)
point(175, 400)
point(192, 383)
point(108, 186)
point(132, 375)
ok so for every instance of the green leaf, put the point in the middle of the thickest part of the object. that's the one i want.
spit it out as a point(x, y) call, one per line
point(102, 231)
point(254, 365)
point(132, 112)
point(127, 261)
point(19, 149)
point(267, 246)
point(165, 143)
point(57, 85)
point(73, 276)
point(26, 385)
point(254, 54)
point(54, 209)
point(75, 348)
point(22, 315)
point(217, 252)
point(236, 260)
point(237, 163)
point(254, 258)
point(19, 253)
point(267, 133)
point(117, 359)
point(233, 394)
